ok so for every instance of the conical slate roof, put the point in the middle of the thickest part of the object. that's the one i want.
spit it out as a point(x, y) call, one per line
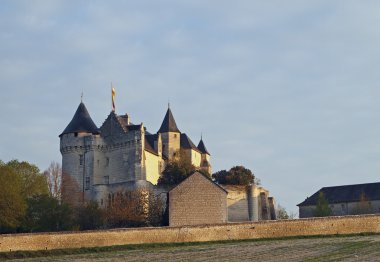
point(202, 147)
point(168, 125)
point(81, 122)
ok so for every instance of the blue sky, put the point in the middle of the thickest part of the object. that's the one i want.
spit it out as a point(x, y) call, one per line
point(289, 89)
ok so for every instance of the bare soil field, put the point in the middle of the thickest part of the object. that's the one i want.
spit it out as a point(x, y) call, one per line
point(351, 248)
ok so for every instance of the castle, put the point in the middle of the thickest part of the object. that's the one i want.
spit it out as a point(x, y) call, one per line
point(100, 162)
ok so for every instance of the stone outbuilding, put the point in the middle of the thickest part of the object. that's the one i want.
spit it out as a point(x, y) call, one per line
point(196, 201)
point(345, 200)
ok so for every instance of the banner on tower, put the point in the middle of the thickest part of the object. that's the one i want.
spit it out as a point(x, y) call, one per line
point(113, 97)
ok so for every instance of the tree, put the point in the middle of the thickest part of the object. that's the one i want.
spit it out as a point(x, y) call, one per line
point(363, 206)
point(45, 213)
point(12, 203)
point(221, 177)
point(32, 182)
point(281, 213)
point(237, 175)
point(174, 173)
point(140, 207)
point(54, 179)
point(90, 216)
point(322, 208)
point(177, 170)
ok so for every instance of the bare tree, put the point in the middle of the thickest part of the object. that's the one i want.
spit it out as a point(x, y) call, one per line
point(54, 179)
point(140, 207)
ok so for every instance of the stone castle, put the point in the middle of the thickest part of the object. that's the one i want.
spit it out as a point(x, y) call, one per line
point(100, 162)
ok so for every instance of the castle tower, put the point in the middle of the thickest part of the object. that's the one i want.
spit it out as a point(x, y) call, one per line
point(205, 157)
point(77, 160)
point(170, 135)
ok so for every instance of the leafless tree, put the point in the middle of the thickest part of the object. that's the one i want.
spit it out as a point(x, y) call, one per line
point(140, 207)
point(54, 179)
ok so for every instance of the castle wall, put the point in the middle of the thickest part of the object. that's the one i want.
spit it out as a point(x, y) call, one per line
point(152, 167)
point(196, 158)
point(237, 203)
point(197, 201)
point(248, 203)
point(201, 233)
point(122, 152)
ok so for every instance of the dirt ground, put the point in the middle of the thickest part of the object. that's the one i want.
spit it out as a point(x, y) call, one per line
point(356, 248)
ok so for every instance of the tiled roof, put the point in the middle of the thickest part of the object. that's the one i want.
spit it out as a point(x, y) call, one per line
point(169, 124)
point(81, 122)
point(343, 194)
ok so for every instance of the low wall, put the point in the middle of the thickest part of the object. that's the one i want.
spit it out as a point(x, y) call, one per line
point(231, 231)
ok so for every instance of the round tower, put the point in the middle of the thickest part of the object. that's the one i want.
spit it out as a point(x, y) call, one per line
point(77, 161)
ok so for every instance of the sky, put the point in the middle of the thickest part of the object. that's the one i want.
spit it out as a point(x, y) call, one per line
point(288, 89)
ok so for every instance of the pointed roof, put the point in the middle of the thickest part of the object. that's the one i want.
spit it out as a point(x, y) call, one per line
point(202, 147)
point(186, 143)
point(168, 125)
point(81, 122)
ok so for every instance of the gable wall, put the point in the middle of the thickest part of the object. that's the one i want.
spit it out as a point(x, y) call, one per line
point(197, 201)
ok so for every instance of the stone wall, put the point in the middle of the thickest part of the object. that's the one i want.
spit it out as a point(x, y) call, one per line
point(232, 231)
point(197, 200)
point(237, 202)
point(249, 203)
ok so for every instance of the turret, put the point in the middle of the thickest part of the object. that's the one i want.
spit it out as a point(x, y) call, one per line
point(205, 161)
point(170, 136)
point(77, 160)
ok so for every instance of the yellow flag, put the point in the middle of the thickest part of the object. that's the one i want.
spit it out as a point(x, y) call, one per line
point(113, 93)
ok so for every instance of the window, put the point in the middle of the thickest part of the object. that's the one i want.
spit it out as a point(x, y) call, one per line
point(97, 161)
point(81, 160)
point(106, 180)
point(107, 161)
point(175, 135)
point(87, 185)
point(101, 201)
